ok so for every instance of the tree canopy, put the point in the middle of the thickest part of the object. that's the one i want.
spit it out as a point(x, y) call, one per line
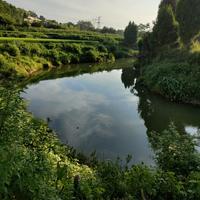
point(165, 30)
point(172, 3)
point(10, 14)
point(130, 34)
point(188, 16)
point(85, 25)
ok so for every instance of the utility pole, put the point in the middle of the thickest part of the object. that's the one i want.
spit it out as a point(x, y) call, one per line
point(97, 22)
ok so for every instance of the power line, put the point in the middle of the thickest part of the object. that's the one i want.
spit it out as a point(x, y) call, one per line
point(97, 22)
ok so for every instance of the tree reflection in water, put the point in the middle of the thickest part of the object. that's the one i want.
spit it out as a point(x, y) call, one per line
point(158, 112)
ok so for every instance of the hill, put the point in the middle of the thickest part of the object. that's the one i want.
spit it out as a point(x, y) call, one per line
point(10, 14)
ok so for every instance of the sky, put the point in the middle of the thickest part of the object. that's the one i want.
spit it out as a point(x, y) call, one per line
point(114, 13)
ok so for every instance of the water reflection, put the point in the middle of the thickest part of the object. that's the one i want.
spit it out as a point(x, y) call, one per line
point(93, 112)
point(97, 112)
point(158, 112)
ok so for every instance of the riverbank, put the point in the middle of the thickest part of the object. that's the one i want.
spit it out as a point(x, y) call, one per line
point(43, 168)
point(174, 74)
point(24, 56)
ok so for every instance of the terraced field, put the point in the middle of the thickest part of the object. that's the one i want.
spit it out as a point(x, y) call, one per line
point(42, 40)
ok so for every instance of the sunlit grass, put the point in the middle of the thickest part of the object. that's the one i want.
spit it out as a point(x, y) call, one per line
point(195, 47)
point(46, 40)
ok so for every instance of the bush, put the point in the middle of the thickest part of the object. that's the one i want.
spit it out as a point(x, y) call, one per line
point(11, 49)
point(65, 58)
point(35, 49)
point(175, 151)
point(112, 179)
point(25, 49)
point(54, 57)
point(72, 48)
point(178, 81)
point(140, 182)
point(90, 56)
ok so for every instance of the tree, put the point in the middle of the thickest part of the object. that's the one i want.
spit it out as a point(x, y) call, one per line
point(188, 16)
point(6, 20)
point(51, 24)
point(165, 31)
point(85, 25)
point(130, 35)
point(142, 29)
point(172, 3)
point(9, 14)
point(42, 18)
point(32, 14)
point(146, 48)
point(108, 30)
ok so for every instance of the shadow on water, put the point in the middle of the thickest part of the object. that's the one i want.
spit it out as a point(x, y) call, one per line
point(78, 69)
point(158, 112)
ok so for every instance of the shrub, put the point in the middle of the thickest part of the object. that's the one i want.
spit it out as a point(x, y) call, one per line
point(72, 48)
point(175, 151)
point(140, 181)
point(11, 49)
point(54, 57)
point(65, 58)
point(90, 56)
point(102, 48)
point(25, 49)
point(75, 58)
point(112, 179)
point(35, 49)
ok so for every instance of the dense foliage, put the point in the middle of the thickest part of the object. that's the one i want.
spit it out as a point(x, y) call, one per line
point(175, 75)
point(27, 51)
point(171, 68)
point(172, 3)
point(33, 162)
point(188, 15)
point(130, 35)
point(165, 31)
point(10, 14)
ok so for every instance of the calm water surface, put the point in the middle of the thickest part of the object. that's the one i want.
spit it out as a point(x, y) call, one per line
point(104, 112)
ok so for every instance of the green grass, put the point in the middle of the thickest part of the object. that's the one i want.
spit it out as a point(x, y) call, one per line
point(62, 34)
point(46, 40)
point(176, 81)
point(195, 47)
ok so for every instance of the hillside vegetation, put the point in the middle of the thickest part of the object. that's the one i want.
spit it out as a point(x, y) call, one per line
point(34, 165)
point(24, 56)
point(26, 47)
point(170, 54)
point(10, 14)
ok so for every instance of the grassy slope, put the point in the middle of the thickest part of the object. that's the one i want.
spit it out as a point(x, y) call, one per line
point(7, 39)
point(10, 13)
point(175, 74)
point(41, 165)
point(26, 55)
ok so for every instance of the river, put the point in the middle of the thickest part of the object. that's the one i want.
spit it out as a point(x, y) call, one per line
point(104, 111)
